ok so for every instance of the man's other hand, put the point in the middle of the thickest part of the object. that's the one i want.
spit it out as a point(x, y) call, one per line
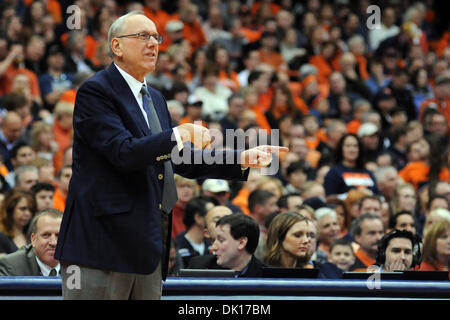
point(198, 135)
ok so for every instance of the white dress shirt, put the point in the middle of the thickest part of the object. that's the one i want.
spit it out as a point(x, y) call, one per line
point(45, 269)
point(135, 87)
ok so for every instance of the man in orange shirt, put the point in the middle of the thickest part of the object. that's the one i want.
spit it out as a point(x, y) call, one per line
point(268, 52)
point(63, 179)
point(441, 100)
point(367, 230)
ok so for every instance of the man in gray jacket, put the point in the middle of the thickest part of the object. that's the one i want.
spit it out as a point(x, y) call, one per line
point(36, 258)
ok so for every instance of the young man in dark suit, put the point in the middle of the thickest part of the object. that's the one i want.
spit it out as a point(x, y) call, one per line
point(237, 237)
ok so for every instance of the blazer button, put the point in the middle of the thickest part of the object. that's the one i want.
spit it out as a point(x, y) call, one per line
point(160, 176)
point(160, 206)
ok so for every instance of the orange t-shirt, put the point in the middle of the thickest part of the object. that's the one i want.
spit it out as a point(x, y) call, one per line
point(273, 58)
point(59, 200)
point(366, 260)
point(241, 200)
point(417, 172)
point(6, 80)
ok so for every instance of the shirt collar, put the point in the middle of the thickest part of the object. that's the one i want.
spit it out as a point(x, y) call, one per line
point(45, 269)
point(134, 84)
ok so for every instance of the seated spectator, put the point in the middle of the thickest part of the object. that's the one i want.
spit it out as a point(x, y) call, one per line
point(261, 204)
point(290, 202)
point(63, 124)
point(328, 231)
point(348, 171)
point(62, 188)
point(435, 216)
point(213, 94)
point(241, 198)
point(367, 230)
point(341, 254)
point(209, 261)
point(369, 204)
point(16, 212)
point(297, 175)
point(343, 217)
point(236, 241)
point(405, 198)
point(55, 81)
point(186, 190)
point(291, 241)
point(430, 165)
point(26, 177)
point(398, 250)
point(43, 195)
point(403, 220)
point(270, 184)
point(46, 171)
point(220, 190)
point(42, 140)
point(191, 242)
point(21, 155)
point(36, 258)
point(387, 181)
point(436, 253)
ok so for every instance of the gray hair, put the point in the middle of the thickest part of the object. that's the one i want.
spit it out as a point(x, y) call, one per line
point(118, 26)
point(356, 224)
point(323, 212)
point(380, 172)
point(20, 170)
point(50, 212)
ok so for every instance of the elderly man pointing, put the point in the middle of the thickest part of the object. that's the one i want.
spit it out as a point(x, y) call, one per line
point(117, 219)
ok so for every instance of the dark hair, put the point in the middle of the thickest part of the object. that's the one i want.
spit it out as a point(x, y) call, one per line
point(38, 187)
point(16, 149)
point(283, 201)
point(258, 196)
point(242, 225)
point(372, 197)
point(341, 242)
point(301, 165)
point(356, 224)
point(254, 75)
point(195, 206)
point(339, 157)
point(434, 197)
point(384, 243)
point(393, 218)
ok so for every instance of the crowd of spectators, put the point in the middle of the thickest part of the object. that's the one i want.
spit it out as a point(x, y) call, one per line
point(364, 111)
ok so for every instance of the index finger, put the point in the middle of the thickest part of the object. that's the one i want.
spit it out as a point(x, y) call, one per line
point(276, 149)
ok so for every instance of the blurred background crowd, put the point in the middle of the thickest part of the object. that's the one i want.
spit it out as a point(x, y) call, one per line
point(362, 101)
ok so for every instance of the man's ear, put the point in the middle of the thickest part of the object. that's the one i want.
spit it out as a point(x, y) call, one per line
point(33, 239)
point(242, 243)
point(116, 47)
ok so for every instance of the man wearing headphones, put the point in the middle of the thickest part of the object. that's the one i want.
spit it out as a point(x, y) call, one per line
point(398, 250)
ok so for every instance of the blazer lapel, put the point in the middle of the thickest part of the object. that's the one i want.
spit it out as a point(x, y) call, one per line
point(31, 257)
point(125, 96)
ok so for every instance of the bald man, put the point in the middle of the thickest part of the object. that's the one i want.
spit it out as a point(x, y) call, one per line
point(209, 261)
point(10, 134)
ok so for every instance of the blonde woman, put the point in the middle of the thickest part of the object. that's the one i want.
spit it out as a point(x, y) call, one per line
point(186, 190)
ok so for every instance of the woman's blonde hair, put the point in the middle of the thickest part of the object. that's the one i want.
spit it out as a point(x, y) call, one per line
point(429, 244)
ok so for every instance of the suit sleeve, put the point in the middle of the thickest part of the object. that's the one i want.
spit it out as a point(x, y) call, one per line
point(98, 124)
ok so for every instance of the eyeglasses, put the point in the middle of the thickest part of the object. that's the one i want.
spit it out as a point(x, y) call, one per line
point(144, 36)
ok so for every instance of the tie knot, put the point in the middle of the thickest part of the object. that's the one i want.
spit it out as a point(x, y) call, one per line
point(144, 91)
point(53, 273)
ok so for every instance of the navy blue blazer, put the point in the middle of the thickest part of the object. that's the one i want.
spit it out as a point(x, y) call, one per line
point(112, 219)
